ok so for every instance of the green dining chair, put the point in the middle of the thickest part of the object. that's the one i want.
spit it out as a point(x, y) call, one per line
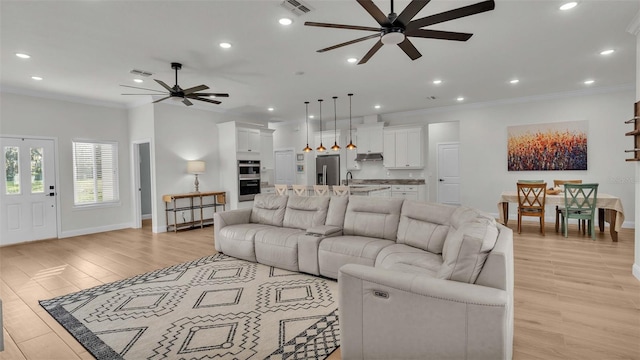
point(580, 203)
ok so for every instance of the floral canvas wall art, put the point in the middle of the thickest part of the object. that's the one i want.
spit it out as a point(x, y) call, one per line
point(549, 146)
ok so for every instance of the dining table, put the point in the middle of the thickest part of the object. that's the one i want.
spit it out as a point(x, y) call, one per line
point(609, 209)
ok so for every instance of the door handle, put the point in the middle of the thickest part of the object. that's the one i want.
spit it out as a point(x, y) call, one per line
point(440, 179)
point(51, 194)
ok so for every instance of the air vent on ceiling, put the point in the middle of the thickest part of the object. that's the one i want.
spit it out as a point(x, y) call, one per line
point(141, 73)
point(296, 6)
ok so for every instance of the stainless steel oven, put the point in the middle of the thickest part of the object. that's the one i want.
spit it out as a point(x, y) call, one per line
point(248, 179)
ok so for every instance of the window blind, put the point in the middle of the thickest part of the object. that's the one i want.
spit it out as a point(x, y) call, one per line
point(95, 172)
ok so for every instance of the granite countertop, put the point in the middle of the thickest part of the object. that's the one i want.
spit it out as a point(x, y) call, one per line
point(387, 181)
point(358, 189)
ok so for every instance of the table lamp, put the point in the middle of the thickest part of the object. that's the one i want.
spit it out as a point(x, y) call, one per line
point(196, 167)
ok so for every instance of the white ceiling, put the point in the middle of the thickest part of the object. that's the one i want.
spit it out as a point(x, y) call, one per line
point(85, 50)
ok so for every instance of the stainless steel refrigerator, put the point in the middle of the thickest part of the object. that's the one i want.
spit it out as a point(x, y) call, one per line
point(328, 170)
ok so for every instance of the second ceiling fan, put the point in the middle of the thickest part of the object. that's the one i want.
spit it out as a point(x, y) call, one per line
point(396, 29)
point(179, 93)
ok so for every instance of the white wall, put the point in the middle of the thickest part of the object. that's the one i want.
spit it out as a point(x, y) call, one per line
point(483, 136)
point(66, 121)
point(182, 134)
point(634, 28)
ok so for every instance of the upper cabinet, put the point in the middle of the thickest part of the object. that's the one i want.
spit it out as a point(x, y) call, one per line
point(248, 140)
point(266, 149)
point(403, 148)
point(370, 138)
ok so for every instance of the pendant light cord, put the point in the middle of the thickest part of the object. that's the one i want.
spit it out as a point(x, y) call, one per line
point(306, 104)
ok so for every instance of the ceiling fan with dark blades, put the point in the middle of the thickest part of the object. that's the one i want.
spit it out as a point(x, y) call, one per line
point(177, 92)
point(397, 29)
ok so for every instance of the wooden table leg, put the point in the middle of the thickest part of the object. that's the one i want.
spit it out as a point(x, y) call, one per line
point(601, 219)
point(505, 212)
point(612, 224)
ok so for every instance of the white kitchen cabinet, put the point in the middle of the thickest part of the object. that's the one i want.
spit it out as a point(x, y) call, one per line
point(248, 140)
point(405, 191)
point(266, 149)
point(350, 158)
point(403, 148)
point(370, 138)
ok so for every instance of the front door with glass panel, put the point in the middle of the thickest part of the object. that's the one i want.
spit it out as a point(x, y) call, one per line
point(28, 190)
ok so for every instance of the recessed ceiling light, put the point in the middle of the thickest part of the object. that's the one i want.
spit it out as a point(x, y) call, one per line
point(36, 78)
point(607, 52)
point(270, 109)
point(23, 56)
point(225, 45)
point(377, 107)
point(514, 81)
point(568, 6)
point(437, 82)
point(588, 82)
point(311, 116)
point(285, 21)
point(352, 60)
point(460, 98)
point(138, 80)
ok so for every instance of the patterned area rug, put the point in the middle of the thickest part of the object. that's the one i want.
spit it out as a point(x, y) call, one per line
point(217, 307)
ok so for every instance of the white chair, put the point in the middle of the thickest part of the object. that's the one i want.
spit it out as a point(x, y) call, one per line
point(340, 190)
point(300, 190)
point(320, 190)
point(281, 189)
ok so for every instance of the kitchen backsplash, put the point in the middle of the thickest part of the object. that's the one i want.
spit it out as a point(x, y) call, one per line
point(375, 170)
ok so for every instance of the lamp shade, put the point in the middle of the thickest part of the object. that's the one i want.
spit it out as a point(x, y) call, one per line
point(195, 167)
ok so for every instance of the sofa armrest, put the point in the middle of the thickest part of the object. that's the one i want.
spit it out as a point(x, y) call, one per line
point(324, 230)
point(308, 245)
point(389, 314)
point(226, 218)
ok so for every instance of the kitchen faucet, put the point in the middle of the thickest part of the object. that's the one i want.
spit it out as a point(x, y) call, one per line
point(349, 174)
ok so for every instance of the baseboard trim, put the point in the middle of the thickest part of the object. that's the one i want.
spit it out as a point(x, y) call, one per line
point(99, 229)
point(146, 216)
point(636, 271)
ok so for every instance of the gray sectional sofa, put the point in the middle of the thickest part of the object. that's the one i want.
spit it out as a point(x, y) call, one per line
point(416, 280)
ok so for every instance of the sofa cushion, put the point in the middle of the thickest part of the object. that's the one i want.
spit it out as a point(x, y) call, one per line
point(334, 252)
point(337, 208)
point(304, 212)
point(278, 247)
point(269, 209)
point(405, 258)
point(424, 225)
point(466, 249)
point(375, 217)
point(238, 240)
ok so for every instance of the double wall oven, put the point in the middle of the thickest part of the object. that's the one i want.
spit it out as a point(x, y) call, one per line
point(248, 179)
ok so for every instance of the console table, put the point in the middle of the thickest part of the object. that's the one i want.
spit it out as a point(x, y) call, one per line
point(195, 204)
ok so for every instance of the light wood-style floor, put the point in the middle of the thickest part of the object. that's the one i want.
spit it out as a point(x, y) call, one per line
point(574, 298)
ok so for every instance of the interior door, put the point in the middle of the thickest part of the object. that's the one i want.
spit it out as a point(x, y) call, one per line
point(284, 169)
point(28, 190)
point(448, 174)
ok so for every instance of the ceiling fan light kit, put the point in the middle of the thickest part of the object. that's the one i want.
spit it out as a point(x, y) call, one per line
point(179, 94)
point(396, 29)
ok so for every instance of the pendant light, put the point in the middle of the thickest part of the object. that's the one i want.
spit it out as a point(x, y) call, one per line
point(307, 149)
point(335, 146)
point(351, 145)
point(320, 148)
